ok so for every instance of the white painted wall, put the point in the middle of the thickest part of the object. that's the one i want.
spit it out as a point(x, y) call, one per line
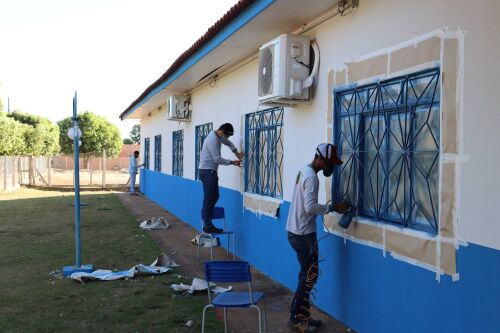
point(374, 25)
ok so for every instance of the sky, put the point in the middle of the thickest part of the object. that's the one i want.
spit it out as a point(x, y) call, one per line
point(109, 51)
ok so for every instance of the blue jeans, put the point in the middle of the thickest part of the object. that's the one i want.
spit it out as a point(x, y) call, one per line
point(132, 182)
point(306, 247)
point(210, 182)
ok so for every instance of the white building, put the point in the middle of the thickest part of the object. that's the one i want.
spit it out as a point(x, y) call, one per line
point(408, 90)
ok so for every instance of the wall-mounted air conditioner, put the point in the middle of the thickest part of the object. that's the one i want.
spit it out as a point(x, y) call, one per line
point(285, 73)
point(179, 108)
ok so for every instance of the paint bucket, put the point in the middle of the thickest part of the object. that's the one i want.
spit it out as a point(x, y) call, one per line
point(346, 219)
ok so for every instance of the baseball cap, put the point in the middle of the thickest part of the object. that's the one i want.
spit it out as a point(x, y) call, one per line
point(327, 150)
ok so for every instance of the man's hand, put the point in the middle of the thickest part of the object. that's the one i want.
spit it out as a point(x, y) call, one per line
point(340, 208)
point(236, 163)
point(240, 155)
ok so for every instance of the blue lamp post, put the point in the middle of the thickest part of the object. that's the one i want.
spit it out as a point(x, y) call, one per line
point(75, 134)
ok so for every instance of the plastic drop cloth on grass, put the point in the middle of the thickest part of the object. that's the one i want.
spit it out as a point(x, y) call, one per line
point(161, 265)
point(155, 223)
point(199, 285)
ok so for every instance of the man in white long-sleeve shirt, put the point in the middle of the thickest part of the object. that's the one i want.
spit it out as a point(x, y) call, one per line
point(301, 227)
point(210, 159)
point(132, 170)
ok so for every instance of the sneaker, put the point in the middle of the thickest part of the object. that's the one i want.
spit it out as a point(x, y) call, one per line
point(212, 230)
point(301, 326)
point(315, 322)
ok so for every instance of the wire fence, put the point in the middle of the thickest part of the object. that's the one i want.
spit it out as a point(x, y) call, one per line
point(58, 171)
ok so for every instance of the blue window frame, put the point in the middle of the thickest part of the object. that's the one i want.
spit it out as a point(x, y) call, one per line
point(264, 152)
point(158, 153)
point(146, 153)
point(201, 133)
point(177, 152)
point(388, 136)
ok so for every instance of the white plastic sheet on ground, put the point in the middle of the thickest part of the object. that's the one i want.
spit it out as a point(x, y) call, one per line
point(160, 265)
point(155, 223)
point(204, 240)
point(199, 285)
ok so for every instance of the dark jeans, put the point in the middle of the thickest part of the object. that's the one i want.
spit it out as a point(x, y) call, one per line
point(210, 182)
point(306, 247)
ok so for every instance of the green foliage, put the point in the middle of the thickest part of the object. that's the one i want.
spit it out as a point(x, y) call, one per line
point(135, 134)
point(98, 134)
point(128, 141)
point(41, 136)
point(11, 136)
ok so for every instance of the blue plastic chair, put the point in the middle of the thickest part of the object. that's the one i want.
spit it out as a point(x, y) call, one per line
point(218, 214)
point(232, 271)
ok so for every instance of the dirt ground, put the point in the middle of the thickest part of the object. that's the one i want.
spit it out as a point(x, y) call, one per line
point(113, 177)
point(175, 241)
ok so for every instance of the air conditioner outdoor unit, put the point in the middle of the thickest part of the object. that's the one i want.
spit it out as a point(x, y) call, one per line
point(179, 108)
point(285, 70)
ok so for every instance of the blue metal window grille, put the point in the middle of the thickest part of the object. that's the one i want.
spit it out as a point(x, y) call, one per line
point(177, 152)
point(146, 153)
point(201, 133)
point(388, 137)
point(158, 153)
point(264, 152)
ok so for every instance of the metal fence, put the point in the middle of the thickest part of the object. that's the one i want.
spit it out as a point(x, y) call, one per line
point(57, 171)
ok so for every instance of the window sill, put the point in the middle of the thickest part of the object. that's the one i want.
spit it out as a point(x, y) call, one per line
point(261, 204)
point(419, 248)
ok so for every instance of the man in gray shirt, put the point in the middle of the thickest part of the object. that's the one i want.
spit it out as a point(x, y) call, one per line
point(210, 159)
point(301, 227)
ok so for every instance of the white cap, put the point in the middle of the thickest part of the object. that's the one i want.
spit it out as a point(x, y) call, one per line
point(327, 150)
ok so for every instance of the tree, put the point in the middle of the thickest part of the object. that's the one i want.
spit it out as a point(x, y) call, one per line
point(128, 141)
point(135, 134)
point(41, 136)
point(98, 134)
point(11, 136)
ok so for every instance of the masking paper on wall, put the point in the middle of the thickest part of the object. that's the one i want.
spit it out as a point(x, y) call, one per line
point(261, 205)
point(373, 67)
point(438, 48)
point(420, 53)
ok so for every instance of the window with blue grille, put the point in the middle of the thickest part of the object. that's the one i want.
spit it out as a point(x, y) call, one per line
point(177, 152)
point(201, 133)
point(388, 136)
point(146, 153)
point(264, 152)
point(158, 153)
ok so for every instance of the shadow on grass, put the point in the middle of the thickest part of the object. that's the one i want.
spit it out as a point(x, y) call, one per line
point(37, 240)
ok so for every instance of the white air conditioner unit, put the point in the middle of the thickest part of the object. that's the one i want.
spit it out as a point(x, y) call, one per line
point(179, 108)
point(285, 74)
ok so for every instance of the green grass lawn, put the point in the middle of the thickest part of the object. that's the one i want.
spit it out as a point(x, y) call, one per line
point(37, 240)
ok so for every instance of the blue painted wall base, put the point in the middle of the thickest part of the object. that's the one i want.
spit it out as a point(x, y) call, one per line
point(68, 270)
point(358, 285)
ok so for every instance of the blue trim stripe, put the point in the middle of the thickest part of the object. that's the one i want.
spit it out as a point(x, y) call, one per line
point(224, 34)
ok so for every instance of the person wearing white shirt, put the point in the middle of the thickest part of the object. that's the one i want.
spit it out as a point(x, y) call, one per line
point(132, 170)
point(301, 228)
point(210, 159)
